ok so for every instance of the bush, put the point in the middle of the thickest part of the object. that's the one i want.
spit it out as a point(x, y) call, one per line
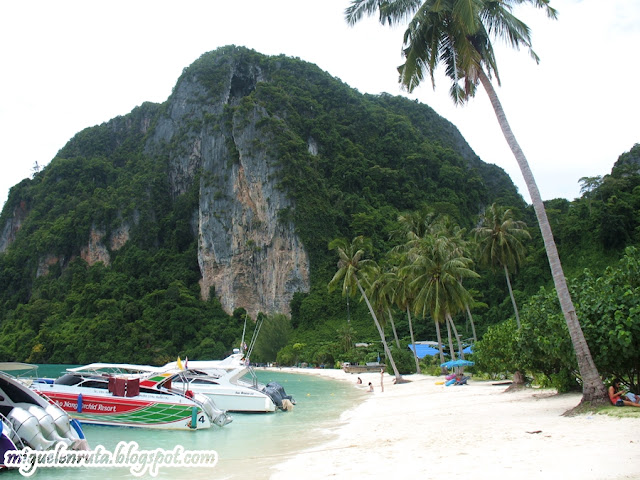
point(404, 361)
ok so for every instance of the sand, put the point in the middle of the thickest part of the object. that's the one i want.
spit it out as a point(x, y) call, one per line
point(427, 431)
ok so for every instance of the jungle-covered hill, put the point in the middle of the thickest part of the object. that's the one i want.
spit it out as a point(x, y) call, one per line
point(154, 234)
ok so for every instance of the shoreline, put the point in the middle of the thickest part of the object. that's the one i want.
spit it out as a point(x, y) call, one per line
point(474, 430)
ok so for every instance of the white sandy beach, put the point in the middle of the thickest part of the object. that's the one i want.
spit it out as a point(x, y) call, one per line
point(429, 431)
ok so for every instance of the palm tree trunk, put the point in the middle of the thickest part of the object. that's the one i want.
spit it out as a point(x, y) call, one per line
point(439, 337)
point(381, 332)
point(348, 312)
point(413, 341)
point(393, 327)
point(593, 390)
point(452, 352)
point(455, 332)
point(473, 325)
point(513, 300)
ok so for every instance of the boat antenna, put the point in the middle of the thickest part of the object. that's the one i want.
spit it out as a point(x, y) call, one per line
point(244, 329)
point(256, 331)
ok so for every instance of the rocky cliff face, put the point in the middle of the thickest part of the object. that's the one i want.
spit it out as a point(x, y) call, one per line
point(247, 256)
point(13, 224)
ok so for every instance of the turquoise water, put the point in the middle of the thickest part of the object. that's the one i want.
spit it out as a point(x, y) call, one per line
point(247, 447)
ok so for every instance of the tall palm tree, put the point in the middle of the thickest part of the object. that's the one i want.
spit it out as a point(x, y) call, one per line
point(458, 33)
point(499, 238)
point(398, 289)
point(352, 266)
point(436, 269)
point(461, 247)
point(381, 299)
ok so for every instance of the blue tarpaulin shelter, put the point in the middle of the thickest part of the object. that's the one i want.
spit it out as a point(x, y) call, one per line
point(423, 350)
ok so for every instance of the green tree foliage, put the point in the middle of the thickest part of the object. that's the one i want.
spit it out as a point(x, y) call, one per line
point(611, 305)
point(274, 335)
point(610, 308)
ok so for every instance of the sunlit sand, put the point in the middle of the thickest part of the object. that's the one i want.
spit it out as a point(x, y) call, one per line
point(426, 430)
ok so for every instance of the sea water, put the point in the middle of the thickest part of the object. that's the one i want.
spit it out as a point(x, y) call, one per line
point(246, 448)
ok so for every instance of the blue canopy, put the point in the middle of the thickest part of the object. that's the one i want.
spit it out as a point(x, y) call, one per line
point(423, 350)
point(457, 363)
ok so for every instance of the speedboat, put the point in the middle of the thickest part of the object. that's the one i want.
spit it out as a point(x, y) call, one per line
point(132, 396)
point(29, 420)
point(222, 380)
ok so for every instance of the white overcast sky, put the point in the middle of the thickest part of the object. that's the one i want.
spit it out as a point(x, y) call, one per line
point(71, 64)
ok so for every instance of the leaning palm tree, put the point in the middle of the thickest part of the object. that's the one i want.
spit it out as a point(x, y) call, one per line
point(499, 238)
point(352, 266)
point(458, 33)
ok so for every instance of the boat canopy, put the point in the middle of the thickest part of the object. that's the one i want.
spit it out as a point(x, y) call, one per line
point(115, 368)
point(17, 367)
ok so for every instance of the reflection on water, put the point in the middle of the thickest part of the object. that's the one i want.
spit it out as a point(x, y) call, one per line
point(247, 447)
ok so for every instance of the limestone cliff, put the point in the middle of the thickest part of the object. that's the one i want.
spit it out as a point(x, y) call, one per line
point(247, 255)
point(12, 225)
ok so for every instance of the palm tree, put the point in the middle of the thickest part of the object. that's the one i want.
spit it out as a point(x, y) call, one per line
point(461, 247)
point(458, 34)
point(499, 238)
point(351, 267)
point(436, 269)
point(398, 289)
point(381, 300)
point(346, 334)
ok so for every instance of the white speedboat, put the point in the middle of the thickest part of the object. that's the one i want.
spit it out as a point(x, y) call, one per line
point(224, 381)
point(131, 396)
point(29, 420)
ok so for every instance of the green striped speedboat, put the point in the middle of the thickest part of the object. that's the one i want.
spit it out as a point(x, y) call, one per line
point(111, 394)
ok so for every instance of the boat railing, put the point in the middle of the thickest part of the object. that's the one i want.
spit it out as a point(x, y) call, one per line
point(254, 377)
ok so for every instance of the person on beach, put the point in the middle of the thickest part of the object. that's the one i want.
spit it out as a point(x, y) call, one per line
point(616, 392)
point(632, 397)
point(370, 387)
point(359, 381)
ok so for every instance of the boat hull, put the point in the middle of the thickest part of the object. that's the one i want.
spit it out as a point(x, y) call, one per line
point(240, 401)
point(363, 368)
point(99, 409)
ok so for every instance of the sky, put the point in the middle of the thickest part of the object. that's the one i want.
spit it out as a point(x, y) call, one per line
point(71, 64)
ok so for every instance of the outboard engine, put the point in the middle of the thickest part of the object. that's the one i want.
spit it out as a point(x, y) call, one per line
point(62, 423)
point(279, 396)
point(27, 428)
point(47, 424)
point(217, 416)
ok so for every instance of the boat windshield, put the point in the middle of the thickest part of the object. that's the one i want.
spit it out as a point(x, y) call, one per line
point(200, 380)
point(68, 379)
point(14, 392)
point(95, 384)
